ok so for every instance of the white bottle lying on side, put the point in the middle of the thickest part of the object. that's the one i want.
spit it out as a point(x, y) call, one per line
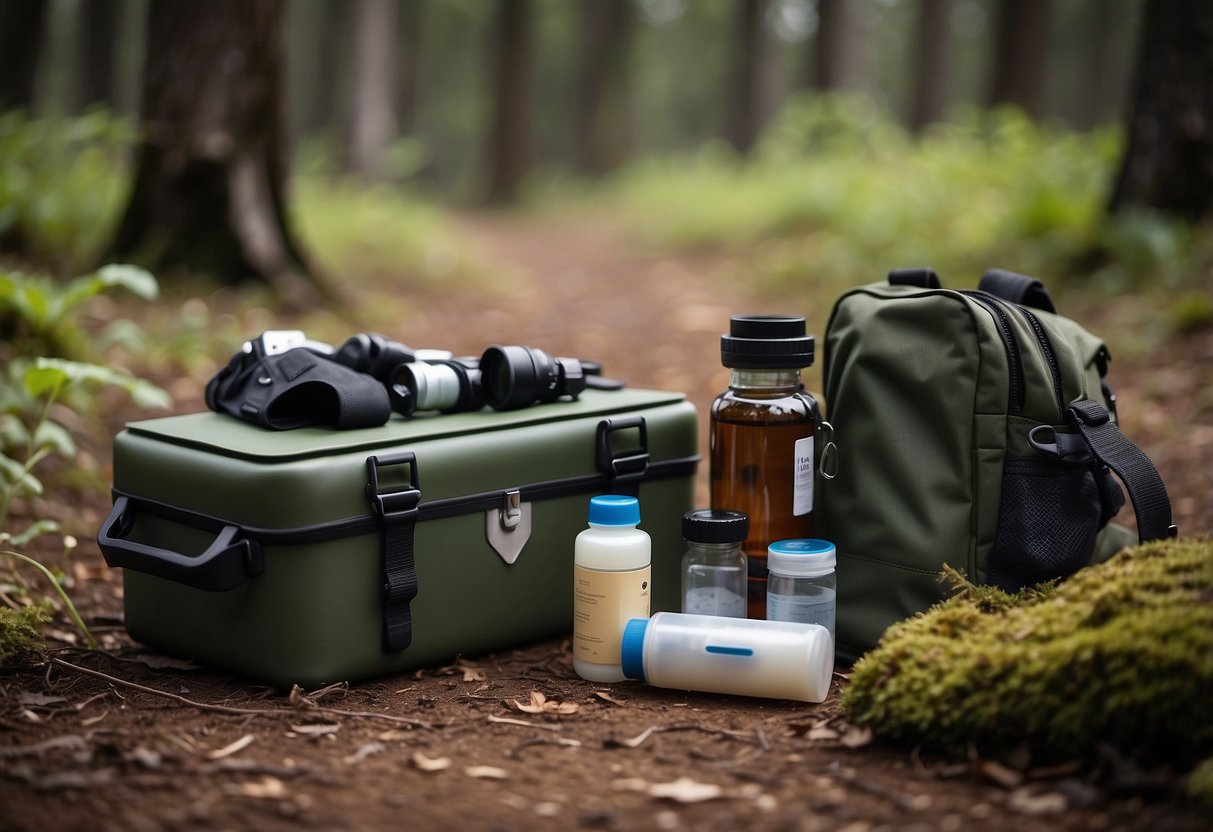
point(743, 656)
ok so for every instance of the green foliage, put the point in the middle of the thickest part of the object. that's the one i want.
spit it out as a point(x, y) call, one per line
point(42, 312)
point(21, 632)
point(837, 193)
point(62, 182)
point(360, 232)
point(1121, 653)
point(42, 316)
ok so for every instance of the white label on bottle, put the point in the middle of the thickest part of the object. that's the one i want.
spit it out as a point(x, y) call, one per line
point(802, 493)
point(602, 604)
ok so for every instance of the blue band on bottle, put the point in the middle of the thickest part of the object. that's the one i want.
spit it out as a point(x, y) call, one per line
point(730, 651)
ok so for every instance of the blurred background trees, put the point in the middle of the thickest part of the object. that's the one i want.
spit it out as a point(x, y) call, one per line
point(476, 101)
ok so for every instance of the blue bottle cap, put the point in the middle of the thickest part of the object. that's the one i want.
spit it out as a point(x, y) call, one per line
point(632, 654)
point(805, 557)
point(614, 510)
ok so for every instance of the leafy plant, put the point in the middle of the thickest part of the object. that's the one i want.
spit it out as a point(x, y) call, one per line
point(62, 183)
point(41, 317)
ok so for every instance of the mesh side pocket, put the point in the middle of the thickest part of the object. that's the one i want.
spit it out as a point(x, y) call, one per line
point(1047, 522)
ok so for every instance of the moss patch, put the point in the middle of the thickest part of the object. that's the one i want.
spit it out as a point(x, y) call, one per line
point(21, 632)
point(1121, 653)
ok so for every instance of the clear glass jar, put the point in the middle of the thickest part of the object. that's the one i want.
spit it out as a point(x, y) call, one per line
point(714, 566)
point(802, 586)
point(762, 438)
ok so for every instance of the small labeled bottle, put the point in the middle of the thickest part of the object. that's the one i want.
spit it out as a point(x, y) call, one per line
point(611, 576)
point(802, 585)
point(714, 567)
point(743, 656)
point(762, 435)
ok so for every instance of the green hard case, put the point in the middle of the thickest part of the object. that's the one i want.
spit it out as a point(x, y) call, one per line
point(266, 552)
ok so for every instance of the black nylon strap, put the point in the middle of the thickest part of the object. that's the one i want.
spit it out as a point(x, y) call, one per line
point(1017, 288)
point(1150, 501)
point(399, 585)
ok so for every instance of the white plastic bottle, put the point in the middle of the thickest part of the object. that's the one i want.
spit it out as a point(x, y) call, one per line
point(611, 576)
point(744, 656)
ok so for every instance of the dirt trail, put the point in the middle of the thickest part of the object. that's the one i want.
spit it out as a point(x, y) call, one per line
point(511, 740)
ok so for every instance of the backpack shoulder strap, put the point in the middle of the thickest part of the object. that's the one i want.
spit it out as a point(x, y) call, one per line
point(1017, 288)
point(1111, 447)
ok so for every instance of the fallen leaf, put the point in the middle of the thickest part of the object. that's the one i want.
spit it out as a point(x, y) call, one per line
point(540, 704)
point(367, 750)
point(471, 672)
point(145, 757)
point(38, 699)
point(267, 788)
point(316, 730)
point(822, 733)
point(486, 772)
point(1028, 802)
point(424, 763)
point(605, 696)
point(232, 748)
point(686, 790)
point(996, 772)
point(857, 737)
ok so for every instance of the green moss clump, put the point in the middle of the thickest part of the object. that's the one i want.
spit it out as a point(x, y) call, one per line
point(1121, 653)
point(21, 631)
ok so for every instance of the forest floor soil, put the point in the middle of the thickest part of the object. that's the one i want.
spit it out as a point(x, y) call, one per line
point(127, 738)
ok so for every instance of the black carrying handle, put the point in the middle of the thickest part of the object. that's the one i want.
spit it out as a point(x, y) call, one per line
point(227, 562)
point(1017, 288)
point(1145, 486)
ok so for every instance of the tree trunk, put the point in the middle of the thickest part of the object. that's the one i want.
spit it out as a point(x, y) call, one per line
point(372, 94)
point(210, 183)
point(98, 38)
point(1168, 164)
point(1021, 53)
point(509, 132)
point(408, 76)
point(755, 84)
point(839, 59)
point(604, 123)
point(1091, 102)
point(934, 42)
point(22, 23)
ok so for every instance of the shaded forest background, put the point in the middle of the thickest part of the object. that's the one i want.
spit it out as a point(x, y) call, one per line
point(409, 90)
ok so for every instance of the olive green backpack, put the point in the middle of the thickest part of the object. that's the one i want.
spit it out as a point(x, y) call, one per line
point(968, 428)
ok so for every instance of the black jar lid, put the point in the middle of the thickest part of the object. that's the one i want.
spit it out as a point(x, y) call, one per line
point(766, 342)
point(710, 525)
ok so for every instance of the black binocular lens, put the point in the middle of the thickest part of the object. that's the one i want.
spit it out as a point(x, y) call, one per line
point(514, 377)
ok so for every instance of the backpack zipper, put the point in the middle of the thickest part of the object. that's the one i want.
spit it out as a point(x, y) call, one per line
point(1050, 358)
point(1015, 396)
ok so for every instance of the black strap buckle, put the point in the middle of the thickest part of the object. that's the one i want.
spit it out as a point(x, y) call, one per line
point(394, 505)
point(625, 467)
point(398, 508)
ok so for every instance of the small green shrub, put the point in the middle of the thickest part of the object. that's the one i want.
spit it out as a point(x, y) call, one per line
point(1121, 653)
point(62, 184)
point(41, 318)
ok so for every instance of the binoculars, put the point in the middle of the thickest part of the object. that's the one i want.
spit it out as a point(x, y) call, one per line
point(504, 378)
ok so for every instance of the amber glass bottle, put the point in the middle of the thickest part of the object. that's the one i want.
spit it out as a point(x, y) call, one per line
point(762, 436)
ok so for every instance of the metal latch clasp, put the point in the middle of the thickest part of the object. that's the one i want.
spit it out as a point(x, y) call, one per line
point(508, 528)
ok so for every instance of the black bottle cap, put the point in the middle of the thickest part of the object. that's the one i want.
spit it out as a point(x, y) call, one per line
point(709, 525)
point(766, 342)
